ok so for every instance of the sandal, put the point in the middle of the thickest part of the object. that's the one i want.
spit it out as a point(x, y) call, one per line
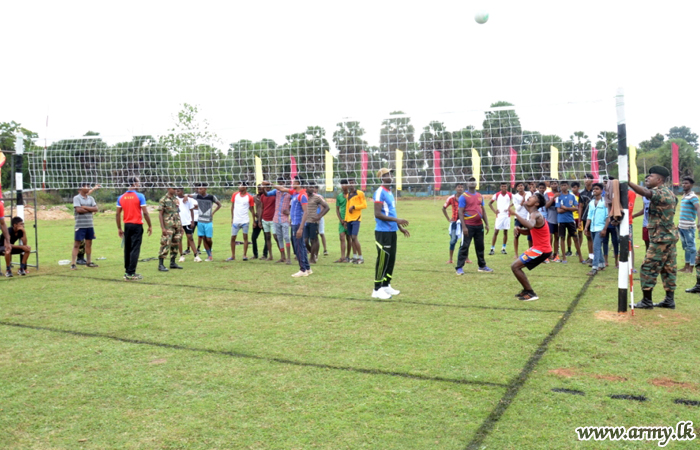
point(341, 260)
point(91, 264)
point(229, 259)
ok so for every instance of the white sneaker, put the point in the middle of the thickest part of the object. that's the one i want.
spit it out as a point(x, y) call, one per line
point(197, 259)
point(300, 274)
point(381, 294)
point(391, 291)
point(182, 259)
point(309, 271)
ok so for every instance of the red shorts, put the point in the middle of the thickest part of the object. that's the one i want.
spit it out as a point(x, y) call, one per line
point(645, 234)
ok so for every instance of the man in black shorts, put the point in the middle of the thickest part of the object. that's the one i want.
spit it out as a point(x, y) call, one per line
point(17, 233)
point(566, 204)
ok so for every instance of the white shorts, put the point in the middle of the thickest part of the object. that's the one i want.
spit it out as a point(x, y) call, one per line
point(503, 223)
point(322, 226)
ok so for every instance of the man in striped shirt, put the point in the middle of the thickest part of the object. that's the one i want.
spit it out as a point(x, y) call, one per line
point(455, 229)
point(690, 209)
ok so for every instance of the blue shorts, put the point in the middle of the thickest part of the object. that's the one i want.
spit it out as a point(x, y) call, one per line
point(205, 229)
point(87, 234)
point(236, 227)
point(354, 227)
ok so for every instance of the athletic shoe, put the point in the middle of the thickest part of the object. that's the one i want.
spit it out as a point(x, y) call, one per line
point(134, 277)
point(556, 260)
point(592, 272)
point(460, 271)
point(309, 271)
point(325, 253)
point(547, 261)
point(8, 273)
point(197, 259)
point(381, 294)
point(21, 272)
point(300, 274)
point(520, 293)
point(73, 267)
point(186, 252)
point(210, 259)
point(182, 258)
point(360, 261)
point(485, 269)
point(588, 261)
point(229, 259)
point(503, 251)
point(527, 297)
point(492, 252)
point(391, 291)
point(564, 261)
point(568, 253)
point(81, 262)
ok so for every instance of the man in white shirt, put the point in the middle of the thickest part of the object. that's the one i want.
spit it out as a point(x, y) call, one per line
point(503, 199)
point(242, 205)
point(187, 210)
point(519, 200)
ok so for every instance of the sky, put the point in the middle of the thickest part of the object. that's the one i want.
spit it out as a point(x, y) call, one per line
point(270, 68)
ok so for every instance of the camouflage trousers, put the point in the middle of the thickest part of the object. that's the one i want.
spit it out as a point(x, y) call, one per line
point(659, 260)
point(169, 243)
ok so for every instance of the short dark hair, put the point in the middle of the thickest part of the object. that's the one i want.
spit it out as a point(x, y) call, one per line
point(343, 181)
point(600, 185)
point(243, 183)
point(459, 184)
point(519, 183)
point(541, 183)
point(689, 179)
point(575, 184)
point(197, 185)
point(132, 180)
point(281, 179)
point(553, 180)
point(16, 220)
point(503, 183)
point(564, 182)
point(540, 199)
point(85, 183)
point(471, 179)
point(588, 176)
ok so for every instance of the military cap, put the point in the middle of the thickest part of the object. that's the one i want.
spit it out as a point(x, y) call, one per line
point(660, 170)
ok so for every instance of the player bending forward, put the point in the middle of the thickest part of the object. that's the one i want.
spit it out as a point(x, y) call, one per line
point(541, 248)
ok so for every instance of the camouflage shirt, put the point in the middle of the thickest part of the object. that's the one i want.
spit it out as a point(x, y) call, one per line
point(170, 208)
point(661, 211)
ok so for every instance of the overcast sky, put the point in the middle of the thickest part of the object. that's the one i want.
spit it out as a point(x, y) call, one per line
point(266, 69)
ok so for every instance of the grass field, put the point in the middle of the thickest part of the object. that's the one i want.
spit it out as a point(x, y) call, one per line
point(241, 355)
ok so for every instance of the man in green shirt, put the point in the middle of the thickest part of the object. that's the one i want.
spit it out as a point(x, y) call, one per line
point(341, 202)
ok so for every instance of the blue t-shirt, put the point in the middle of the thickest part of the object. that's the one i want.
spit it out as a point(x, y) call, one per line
point(565, 200)
point(386, 198)
point(299, 198)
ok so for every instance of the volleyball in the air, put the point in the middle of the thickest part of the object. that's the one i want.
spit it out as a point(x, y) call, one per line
point(481, 17)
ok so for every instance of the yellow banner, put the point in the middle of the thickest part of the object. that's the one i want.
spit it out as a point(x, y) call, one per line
point(633, 165)
point(476, 167)
point(554, 163)
point(258, 172)
point(399, 169)
point(329, 172)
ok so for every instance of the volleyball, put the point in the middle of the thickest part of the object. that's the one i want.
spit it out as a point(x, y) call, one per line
point(481, 17)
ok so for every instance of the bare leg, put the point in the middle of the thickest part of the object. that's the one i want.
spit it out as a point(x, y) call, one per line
point(88, 250)
point(493, 239)
point(233, 247)
point(517, 268)
point(76, 247)
point(268, 243)
point(245, 245)
point(323, 240)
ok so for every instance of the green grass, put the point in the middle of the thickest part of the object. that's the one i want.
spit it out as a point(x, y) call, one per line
point(240, 355)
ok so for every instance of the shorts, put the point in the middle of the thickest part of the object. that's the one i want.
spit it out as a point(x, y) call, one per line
point(579, 224)
point(321, 226)
point(194, 225)
point(645, 234)
point(84, 234)
point(188, 229)
point(553, 228)
point(236, 227)
point(267, 226)
point(205, 230)
point(517, 224)
point(354, 227)
point(565, 227)
point(503, 223)
point(14, 251)
point(342, 229)
point(533, 257)
point(311, 231)
point(282, 232)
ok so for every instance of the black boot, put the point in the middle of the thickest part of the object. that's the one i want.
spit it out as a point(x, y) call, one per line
point(668, 302)
point(161, 266)
point(646, 302)
point(173, 264)
point(695, 289)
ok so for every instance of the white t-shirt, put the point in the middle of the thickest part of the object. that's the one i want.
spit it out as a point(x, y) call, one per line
point(241, 205)
point(502, 203)
point(519, 201)
point(185, 207)
point(196, 211)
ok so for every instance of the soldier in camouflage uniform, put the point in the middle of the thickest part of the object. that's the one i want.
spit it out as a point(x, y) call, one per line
point(169, 215)
point(663, 235)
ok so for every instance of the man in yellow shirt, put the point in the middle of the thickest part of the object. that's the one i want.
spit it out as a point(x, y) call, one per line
point(353, 217)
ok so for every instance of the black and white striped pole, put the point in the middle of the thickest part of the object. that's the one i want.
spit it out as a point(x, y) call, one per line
point(622, 164)
point(19, 182)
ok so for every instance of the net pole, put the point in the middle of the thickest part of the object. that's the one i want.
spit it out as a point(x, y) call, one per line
point(19, 182)
point(623, 164)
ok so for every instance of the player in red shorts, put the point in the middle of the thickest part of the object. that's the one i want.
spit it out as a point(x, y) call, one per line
point(541, 248)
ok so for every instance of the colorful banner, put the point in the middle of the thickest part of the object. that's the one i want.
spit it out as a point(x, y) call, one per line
point(437, 170)
point(633, 165)
point(293, 170)
point(363, 174)
point(476, 167)
point(594, 165)
point(2, 163)
point(554, 162)
point(399, 169)
point(513, 161)
point(329, 172)
point(674, 163)
point(258, 171)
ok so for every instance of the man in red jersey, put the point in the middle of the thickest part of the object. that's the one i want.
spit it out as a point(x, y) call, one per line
point(133, 204)
point(541, 247)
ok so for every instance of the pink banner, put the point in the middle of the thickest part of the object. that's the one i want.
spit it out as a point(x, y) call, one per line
point(293, 170)
point(674, 163)
point(594, 165)
point(363, 175)
point(437, 170)
point(513, 161)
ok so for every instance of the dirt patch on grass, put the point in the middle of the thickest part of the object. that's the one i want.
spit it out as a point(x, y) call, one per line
point(564, 373)
point(611, 316)
point(159, 361)
point(671, 385)
point(569, 373)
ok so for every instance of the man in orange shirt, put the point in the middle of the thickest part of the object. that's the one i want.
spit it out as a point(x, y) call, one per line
point(353, 217)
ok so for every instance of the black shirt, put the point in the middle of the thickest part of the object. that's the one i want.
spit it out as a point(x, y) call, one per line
point(15, 235)
point(584, 198)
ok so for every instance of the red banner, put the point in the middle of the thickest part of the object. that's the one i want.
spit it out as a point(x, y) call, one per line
point(594, 165)
point(674, 163)
point(363, 175)
point(293, 170)
point(513, 161)
point(437, 170)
